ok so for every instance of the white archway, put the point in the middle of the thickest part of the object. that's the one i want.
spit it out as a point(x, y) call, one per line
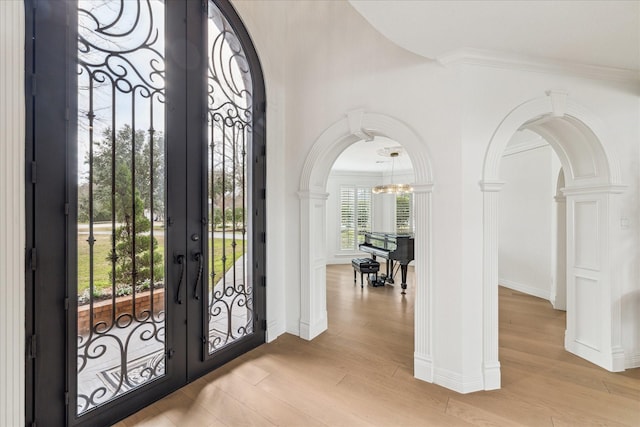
point(355, 126)
point(592, 178)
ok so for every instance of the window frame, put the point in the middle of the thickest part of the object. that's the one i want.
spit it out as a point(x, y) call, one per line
point(410, 220)
point(357, 231)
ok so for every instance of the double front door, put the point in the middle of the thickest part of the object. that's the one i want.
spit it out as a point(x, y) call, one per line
point(146, 206)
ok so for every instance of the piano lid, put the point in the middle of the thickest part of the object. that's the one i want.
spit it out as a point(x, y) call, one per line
point(388, 234)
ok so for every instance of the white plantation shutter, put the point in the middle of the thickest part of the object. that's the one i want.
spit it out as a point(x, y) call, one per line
point(347, 217)
point(363, 213)
point(355, 215)
point(404, 213)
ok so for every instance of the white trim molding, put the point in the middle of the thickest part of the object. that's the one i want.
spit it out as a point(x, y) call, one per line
point(592, 175)
point(558, 102)
point(493, 59)
point(632, 359)
point(526, 289)
point(456, 382)
point(530, 144)
point(313, 297)
point(537, 114)
point(355, 126)
point(575, 190)
point(490, 215)
point(491, 186)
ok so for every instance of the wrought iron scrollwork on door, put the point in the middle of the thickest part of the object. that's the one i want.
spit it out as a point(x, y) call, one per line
point(231, 310)
point(120, 260)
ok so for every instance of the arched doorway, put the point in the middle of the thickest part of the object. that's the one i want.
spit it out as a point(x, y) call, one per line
point(592, 179)
point(355, 126)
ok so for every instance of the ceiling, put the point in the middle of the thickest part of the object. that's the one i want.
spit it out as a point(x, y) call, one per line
point(603, 33)
point(593, 32)
point(363, 156)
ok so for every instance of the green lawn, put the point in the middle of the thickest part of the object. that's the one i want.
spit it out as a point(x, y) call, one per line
point(102, 266)
point(216, 260)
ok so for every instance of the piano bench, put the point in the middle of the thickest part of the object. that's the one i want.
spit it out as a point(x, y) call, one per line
point(364, 266)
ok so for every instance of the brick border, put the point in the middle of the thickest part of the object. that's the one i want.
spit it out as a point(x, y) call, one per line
point(103, 310)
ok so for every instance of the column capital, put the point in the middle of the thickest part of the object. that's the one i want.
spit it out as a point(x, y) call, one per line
point(422, 187)
point(312, 195)
point(491, 186)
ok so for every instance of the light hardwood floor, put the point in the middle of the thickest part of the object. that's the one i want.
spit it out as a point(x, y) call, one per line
point(359, 373)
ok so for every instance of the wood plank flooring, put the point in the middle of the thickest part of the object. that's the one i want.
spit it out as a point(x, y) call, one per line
point(359, 373)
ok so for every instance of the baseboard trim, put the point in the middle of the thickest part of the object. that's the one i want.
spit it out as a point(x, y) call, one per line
point(423, 367)
point(310, 331)
point(274, 331)
point(526, 289)
point(632, 359)
point(492, 376)
point(456, 382)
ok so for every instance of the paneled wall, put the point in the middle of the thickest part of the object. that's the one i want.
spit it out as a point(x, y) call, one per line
point(12, 223)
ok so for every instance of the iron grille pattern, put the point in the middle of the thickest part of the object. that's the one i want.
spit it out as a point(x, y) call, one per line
point(230, 314)
point(121, 342)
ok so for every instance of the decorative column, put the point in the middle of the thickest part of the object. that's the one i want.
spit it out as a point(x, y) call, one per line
point(313, 269)
point(12, 214)
point(423, 356)
point(490, 206)
point(559, 285)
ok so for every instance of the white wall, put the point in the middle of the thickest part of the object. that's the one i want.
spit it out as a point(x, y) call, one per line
point(336, 63)
point(527, 216)
point(260, 20)
point(365, 71)
point(12, 215)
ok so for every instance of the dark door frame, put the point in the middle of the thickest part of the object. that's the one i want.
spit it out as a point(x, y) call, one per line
point(50, 203)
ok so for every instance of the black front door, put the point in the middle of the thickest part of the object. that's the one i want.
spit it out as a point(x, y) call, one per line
point(146, 206)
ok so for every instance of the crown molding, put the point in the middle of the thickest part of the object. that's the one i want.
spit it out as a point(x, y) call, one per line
point(488, 58)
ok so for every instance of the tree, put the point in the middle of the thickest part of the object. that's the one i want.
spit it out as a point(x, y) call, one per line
point(133, 242)
point(226, 177)
point(145, 167)
point(123, 192)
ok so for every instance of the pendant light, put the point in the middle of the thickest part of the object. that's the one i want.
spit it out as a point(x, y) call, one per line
point(392, 188)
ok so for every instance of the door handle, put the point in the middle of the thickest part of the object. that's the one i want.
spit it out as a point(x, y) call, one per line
point(179, 259)
point(197, 256)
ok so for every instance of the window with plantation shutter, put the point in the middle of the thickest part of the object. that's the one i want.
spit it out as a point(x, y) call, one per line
point(404, 213)
point(355, 216)
point(347, 217)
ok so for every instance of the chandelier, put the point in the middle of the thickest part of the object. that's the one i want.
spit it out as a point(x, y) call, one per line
point(391, 188)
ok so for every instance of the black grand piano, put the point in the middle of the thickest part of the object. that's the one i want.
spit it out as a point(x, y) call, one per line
point(395, 248)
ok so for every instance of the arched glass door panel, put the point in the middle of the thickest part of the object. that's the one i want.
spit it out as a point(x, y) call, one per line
point(120, 199)
point(230, 306)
